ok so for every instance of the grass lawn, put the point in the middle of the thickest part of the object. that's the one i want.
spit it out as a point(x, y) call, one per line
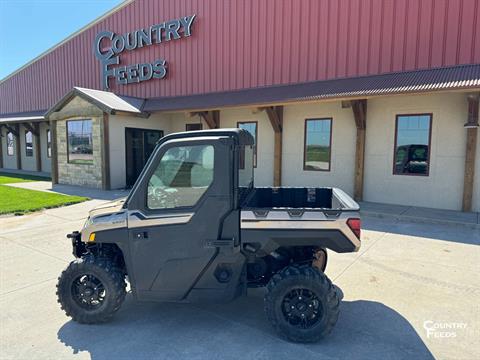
point(7, 178)
point(19, 201)
point(318, 153)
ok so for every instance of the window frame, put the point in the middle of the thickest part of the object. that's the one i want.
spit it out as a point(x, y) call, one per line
point(156, 164)
point(305, 144)
point(68, 143)
point(196, 124)
point(255, 145)
point(25, 137)
point(430, 115)
point(49, 143)
point(13, 144)
point(136, 200)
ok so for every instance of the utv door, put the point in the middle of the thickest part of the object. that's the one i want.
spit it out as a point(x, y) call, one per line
point(176, 209)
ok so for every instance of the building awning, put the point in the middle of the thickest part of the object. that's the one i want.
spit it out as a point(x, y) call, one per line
point(31, 116)
point(106, 101)
point(462, 77)
point(409, 82)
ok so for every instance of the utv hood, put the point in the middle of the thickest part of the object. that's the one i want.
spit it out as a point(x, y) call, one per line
point(107, 216)
point(111, 207)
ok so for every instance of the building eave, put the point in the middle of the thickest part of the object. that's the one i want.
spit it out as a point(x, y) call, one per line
point(29, 116)
point(454, 78)
point(107, 102)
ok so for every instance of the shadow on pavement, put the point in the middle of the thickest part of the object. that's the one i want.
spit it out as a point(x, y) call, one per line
point(239, 330)
point(447, 232)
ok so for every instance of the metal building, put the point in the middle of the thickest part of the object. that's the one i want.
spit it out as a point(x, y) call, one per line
point(378, 97)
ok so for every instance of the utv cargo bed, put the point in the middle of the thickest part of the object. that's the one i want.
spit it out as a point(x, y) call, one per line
point(327, 217)
point(298, 198)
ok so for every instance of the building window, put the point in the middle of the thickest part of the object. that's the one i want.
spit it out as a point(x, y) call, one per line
point(193, 127)
point(49, 143)
point(251, 127)
point(28, 143)
point(412, 144)
point(80, 142)
point(317, 144)
point(10, 148)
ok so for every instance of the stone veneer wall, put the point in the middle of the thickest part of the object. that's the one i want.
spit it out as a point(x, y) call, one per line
point(80, 174)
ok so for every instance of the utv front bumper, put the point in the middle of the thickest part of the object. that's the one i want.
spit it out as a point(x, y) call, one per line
point(78, 247)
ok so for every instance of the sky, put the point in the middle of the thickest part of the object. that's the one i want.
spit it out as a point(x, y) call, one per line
point(29, 27)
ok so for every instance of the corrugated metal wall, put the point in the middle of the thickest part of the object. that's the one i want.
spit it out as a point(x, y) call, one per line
point(248, 43)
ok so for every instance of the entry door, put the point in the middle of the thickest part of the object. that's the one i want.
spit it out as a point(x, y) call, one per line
point(175, 213)
point(139, 145)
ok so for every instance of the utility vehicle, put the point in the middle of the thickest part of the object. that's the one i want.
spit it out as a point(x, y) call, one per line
point(194, 228)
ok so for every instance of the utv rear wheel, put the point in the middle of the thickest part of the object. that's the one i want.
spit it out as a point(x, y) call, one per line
point(90, 290)
point(302, 304)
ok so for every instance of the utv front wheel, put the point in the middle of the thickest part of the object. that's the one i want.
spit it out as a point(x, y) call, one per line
point(90, 290)
point(302, 304)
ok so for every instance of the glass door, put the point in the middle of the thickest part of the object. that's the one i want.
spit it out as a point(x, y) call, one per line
point(139, 145)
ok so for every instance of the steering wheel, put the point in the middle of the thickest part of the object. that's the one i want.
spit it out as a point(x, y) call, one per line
point(163, 196)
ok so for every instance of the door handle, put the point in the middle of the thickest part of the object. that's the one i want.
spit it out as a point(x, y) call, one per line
point(141, 235)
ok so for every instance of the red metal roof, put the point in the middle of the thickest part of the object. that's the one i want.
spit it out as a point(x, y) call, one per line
point(451, 78)
point(237, 45)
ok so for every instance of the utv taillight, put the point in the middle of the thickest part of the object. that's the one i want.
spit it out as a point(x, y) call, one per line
point(354, 224)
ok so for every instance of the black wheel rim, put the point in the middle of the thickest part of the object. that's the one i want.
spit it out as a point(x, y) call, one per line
point(302, 308)
point(88, 292)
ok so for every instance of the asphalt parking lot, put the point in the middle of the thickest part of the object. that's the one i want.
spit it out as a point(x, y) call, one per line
point(413, 291)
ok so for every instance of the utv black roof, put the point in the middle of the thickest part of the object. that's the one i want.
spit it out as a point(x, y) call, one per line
point(242, 137)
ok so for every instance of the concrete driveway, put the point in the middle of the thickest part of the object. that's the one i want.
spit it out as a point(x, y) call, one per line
point(406, 277)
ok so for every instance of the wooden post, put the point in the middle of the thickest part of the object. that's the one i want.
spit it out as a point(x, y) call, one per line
point(1, 147)
point(106, 154)
point(38, 151)
point(275, 115)
point(216, 118)
point(277, 159)
point(470, 151)
point(18, 147)
point(359, 108)
point(212, 118)
point(54, 159)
